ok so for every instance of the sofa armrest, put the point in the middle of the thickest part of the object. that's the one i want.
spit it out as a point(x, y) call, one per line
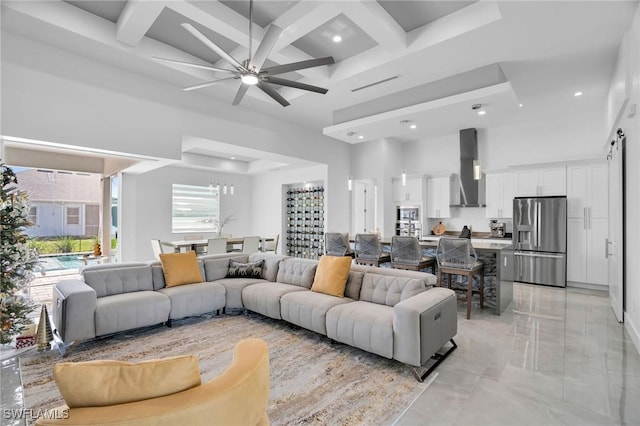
point(422, 324)
point(74, 306)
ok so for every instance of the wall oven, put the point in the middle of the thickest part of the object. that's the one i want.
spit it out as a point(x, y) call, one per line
point(408, 221)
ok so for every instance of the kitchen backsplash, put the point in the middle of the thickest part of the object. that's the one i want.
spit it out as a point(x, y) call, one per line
point(470, 216)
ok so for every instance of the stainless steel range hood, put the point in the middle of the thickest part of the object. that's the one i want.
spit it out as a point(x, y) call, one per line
point(470, 189)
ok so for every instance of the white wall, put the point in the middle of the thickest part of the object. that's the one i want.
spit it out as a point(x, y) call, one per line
point(378, 162)
point(145, 207)
point(625, 84)
point(59, 97)
point(269, 217)
point(575, 135)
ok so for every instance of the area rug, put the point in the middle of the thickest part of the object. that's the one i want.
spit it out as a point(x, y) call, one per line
point(312, 380)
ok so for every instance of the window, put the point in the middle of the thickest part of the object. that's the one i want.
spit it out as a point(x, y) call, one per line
point(33, 215)
point(73, 215)
point(195, 208)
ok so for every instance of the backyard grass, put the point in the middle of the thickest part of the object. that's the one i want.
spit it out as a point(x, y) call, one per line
point(65, 244)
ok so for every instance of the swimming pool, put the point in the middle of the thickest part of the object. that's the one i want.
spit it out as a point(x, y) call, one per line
point(59, 262)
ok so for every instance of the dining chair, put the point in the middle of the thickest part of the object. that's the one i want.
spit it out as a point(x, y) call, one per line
point(216, 246)
point(369, 250)
point(406, 253)
point(337, 244)
point(268, 246)
point(196, 237)
point(156, 245)
point(457, 257)
point(250, 245)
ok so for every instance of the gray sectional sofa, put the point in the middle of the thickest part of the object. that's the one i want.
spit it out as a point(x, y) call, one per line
point(392, 313)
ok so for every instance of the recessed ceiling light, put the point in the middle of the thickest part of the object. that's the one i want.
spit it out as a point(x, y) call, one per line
point(337, 38)
point(413, 126)
point(360, 137)
point(482, 112)
point(232, 158)
point(577, 94)
point(521, 105)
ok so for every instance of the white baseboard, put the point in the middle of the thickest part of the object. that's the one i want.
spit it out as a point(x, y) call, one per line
point(633, 331)
point(588, 286)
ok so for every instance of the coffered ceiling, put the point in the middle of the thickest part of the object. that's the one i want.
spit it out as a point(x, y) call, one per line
point(421, 61)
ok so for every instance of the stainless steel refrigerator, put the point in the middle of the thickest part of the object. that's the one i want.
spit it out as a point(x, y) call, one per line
point(540, 240)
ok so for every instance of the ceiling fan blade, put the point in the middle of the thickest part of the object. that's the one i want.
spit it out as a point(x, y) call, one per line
point(240, 93)
point(207, 84)
point(267, 43)
point(294, 66)
point(295, 84)
point(272, 92)
point(189, 64)
point(211, 45)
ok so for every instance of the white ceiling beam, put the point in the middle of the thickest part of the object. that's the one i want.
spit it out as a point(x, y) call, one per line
point(136, 19)
point(377, 23)
point(303, 18)
point(462, 21)
point(458, 23)
point(217, 17)
point(70, 18)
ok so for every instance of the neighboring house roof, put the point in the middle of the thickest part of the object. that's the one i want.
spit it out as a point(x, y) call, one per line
point(60, 186)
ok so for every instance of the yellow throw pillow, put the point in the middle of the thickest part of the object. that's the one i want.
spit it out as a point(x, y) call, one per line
point(180, 268)
point(102, 383)
point(331, 275)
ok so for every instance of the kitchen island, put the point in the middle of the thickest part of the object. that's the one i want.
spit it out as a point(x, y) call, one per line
point(498, 259)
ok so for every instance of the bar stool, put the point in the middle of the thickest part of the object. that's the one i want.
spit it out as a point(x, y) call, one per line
point(337, 244)
point(407, 254)
point(369, 250)
point(456, 256)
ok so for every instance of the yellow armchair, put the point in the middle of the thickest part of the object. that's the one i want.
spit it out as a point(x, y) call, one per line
point(238, 396)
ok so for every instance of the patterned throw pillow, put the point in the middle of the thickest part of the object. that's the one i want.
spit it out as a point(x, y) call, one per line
point(245, 270)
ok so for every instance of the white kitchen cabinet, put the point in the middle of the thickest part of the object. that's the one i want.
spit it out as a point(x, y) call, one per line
point(587, 223)
point(541, 181)
point(499, 195)
point(438, 197)
point(411, 193)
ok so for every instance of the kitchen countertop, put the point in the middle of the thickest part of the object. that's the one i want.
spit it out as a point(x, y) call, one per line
point(478, 243)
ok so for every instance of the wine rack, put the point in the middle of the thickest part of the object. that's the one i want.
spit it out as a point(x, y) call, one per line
point(305, 222)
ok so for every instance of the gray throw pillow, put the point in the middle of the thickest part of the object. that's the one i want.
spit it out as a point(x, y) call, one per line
point(245, 270)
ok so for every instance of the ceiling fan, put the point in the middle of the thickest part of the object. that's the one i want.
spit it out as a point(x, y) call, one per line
point(250, 71)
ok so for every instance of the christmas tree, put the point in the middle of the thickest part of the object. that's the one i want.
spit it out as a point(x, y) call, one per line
point(17, 260)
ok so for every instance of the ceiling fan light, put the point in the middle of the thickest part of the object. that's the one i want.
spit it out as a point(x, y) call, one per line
point(250, 79)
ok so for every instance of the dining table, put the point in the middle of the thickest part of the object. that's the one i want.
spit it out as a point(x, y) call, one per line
point(186, 245)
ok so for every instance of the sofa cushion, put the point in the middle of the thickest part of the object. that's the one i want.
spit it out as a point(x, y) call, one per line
point(245, 270)
point(234, 287)
point(354, 284)
point(331, 275)
point(388, 289)
point(158, 274)
point(217, 266)
point(299, 272)
point(264, 297)
point(107, 282)
point(106, 382)
point(196, 299)
point(180, 268)
point(271, 264)
point(130, 310)
point(309, 309)
point(365, 325)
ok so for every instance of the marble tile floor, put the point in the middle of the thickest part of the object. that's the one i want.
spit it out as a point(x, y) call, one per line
point(555, 357)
